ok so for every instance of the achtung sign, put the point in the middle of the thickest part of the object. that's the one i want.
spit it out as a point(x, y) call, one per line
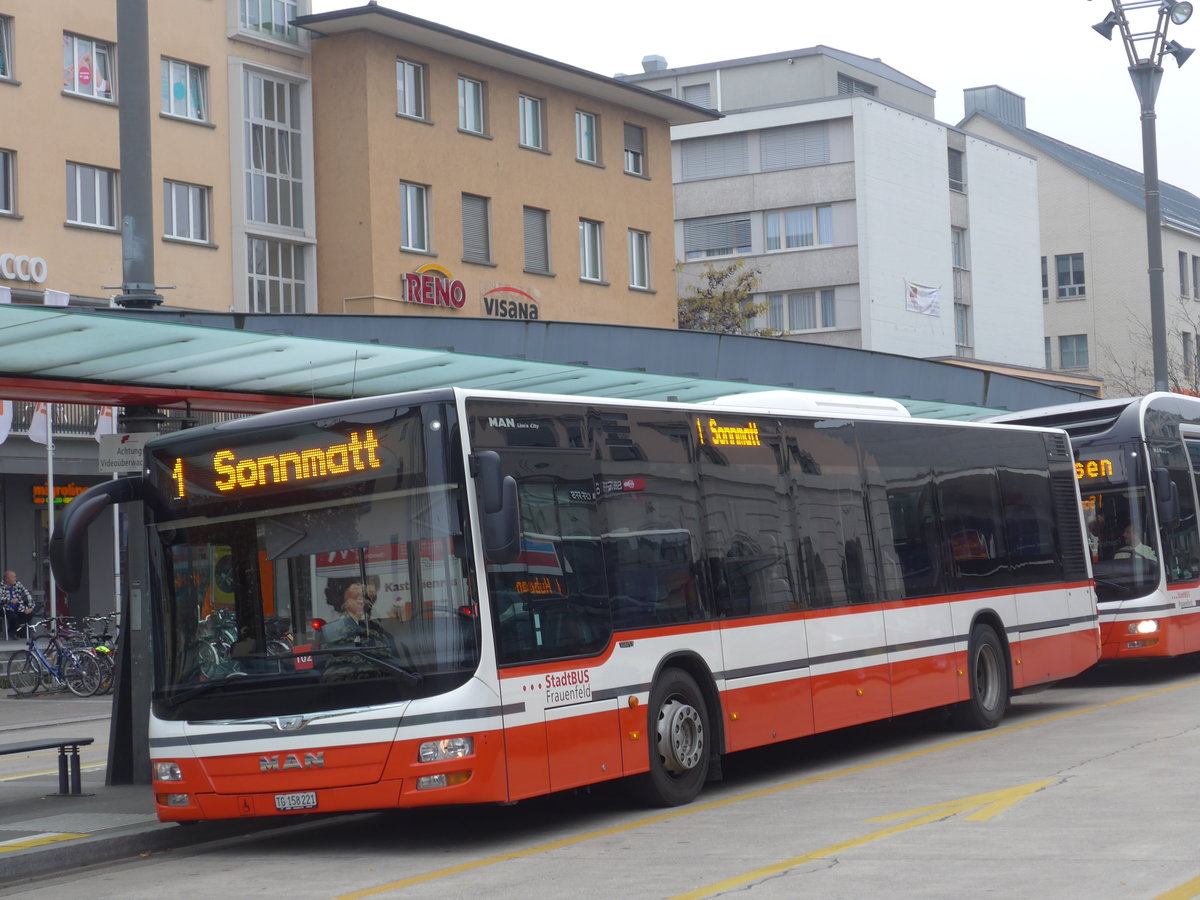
point(123, 452)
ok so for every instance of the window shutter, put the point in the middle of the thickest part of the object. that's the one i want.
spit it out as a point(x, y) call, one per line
point(537, 245)
point(476, 243)
point(715, 157)
point(697, 95)
point(719, 234)
point(794, 146)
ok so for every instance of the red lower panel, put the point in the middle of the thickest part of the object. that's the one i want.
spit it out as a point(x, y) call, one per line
point(583, 749)
point(767, 713)
point(924, 683)
point(850, 698)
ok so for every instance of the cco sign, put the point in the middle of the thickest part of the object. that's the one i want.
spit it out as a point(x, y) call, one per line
point(22, 268)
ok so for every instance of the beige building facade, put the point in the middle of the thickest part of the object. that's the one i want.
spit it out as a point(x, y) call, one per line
point(234, 220)
point(458, 177)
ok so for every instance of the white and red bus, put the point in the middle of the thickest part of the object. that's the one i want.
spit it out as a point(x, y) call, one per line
point(1137, 463)
point(495, 596)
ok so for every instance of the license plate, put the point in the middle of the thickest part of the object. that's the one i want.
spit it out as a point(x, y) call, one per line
point(300, 800)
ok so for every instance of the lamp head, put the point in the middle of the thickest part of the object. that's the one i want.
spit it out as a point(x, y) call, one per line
point(1105, 28)
point(1181, 54)
point(1179, 11)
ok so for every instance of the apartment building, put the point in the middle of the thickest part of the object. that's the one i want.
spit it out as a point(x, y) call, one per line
point(1093, 252)
point(231, 142)
point(874, 226)
point(458, 177)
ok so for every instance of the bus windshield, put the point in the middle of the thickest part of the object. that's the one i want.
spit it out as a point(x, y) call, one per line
point(1120, 522)
point(336, 602)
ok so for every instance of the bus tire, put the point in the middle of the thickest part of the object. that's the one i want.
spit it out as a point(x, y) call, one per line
point(988, 677)
point(680, 740)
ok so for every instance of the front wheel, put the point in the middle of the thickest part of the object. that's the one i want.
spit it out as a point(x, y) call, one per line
point(81, 672)
point(988, 674)
point(24, 672)
point(680, 740)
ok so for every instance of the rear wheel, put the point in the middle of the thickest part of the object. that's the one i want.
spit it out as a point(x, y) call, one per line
point(988, 675)
point(680, 742)
point(24, 672)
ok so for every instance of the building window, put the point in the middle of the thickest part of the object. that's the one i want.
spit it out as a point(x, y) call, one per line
point(698, 95)
point(958, 248)
point(8, 182)
point(716, 236)
point(6, 45)
point(1183, 273)
point(958, 181)
point(410, 89)
point(269, 18)
point(848, 86)
point(184, 89)
point(1046, 345)
point(87, 67)
point(591, 250)
point(789, 229)
point(477, 240)
point(1196, 277)
point(274, 184)
point(414, 217)
point(962, 327)
point(1189, 359)
point(1073, 351)
point(587, 145)
point(639, 259)
point(529, 115)
point(1045, 283)
point(537, 240)
point(714, 157)
point(91, 196)
point(1070, 276)
point(186, 211)
point(798, 311)
point(635, 150)
point(793, 146)
point(276, 273)
point(470, 105)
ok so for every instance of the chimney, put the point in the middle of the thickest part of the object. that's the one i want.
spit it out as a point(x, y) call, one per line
point(1002, 105)
point(654, 63)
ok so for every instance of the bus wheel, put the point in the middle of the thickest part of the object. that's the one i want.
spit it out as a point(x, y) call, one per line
point(679, 734)
point(988, 681)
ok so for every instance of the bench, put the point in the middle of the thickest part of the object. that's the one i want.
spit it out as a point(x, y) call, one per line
point(75, 785)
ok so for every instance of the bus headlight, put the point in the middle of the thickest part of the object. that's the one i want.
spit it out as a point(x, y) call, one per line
point(427, 782)
point(1145, 626)
point(167, 771)
point(173, 800)
point(449, 748)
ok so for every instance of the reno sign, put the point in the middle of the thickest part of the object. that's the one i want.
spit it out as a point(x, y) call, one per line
point(431, 285)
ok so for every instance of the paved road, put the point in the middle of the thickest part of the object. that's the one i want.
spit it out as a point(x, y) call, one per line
point(1088, 790)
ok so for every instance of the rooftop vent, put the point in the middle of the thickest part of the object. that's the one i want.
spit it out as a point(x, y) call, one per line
point(654, 63)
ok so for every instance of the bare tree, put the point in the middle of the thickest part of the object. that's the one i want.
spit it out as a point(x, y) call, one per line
point(1131, 373)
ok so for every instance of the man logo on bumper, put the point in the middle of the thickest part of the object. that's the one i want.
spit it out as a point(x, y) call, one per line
point(291, 761)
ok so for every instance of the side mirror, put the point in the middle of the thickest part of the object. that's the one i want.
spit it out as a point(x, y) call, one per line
point(1166, 496)
point(501, 519)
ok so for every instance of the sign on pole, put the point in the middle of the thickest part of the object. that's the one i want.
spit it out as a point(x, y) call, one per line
point(123, 452)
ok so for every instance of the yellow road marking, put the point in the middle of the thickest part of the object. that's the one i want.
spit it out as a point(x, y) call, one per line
point(1184, 892)
point(20, 775)
point(764, 792)
point(38, 840)
point(985, 805)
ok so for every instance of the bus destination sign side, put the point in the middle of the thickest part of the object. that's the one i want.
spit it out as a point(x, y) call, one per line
point(123, 452)
point(713, 433)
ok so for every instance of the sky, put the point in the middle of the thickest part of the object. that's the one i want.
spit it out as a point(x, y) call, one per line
point(1076, 85)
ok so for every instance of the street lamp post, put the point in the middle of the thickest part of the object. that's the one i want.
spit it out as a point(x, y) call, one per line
point(1146, 72)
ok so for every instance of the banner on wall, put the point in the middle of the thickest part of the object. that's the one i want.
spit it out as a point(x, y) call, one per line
point(920, 298)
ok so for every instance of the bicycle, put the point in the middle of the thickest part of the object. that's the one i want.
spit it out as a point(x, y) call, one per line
point(57, 667)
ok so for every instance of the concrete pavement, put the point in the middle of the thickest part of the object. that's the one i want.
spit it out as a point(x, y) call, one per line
point(42, 832)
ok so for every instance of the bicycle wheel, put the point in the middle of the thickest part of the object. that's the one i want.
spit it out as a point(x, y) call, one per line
point(107, 670)
point(81, 672)
point(24, 672)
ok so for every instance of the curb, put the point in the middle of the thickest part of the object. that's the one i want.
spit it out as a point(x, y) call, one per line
point(124, 844)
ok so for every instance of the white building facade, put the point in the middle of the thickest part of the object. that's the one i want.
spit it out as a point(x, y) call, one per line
point(873, 225)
